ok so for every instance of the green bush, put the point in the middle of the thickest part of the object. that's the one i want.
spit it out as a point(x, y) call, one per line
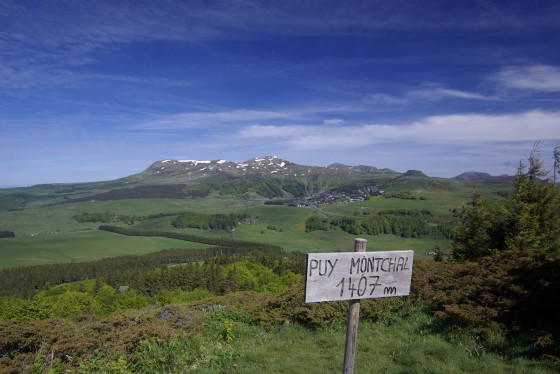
point(512, 291)
point(7, 234)
point(155, 356)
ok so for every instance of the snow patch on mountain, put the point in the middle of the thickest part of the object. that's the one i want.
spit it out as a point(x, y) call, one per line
point(268, 165)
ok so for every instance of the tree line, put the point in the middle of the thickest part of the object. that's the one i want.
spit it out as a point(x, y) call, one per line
point(183, 220)
point(167, 191)
point(106, 217)
point(136, 288)
point(404, 223)
point(26, 281)
point(7, 234)
point(225, 242)
point(210, 221)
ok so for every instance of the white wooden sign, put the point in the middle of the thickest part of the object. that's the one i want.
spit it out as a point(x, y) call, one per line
point(357, 275)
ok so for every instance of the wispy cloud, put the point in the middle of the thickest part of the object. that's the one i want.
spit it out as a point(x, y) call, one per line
point(147, 80)
point(334, 121)
point(428, 92)
point(383, 99)
point(487, 128)
point(529, 126)
point(78, 33)
point(433, 92)
point(203, 119)
point(544, 78)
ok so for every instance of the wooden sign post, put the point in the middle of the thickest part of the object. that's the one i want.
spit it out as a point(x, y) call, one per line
point(352, 323)
point(353, 276)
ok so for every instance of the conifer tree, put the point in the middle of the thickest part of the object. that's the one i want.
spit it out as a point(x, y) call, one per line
point(481, 229)
point(535, 208)
point(556, 157)
point(529, 221)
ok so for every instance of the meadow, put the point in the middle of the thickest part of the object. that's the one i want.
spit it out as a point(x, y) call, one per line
point(50, 234)
point(79, 246)
point(407, 345)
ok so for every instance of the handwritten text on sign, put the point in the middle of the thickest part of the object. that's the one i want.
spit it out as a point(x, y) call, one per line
point(357, 275)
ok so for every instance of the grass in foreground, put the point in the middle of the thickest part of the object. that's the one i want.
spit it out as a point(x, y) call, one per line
point(408, 345)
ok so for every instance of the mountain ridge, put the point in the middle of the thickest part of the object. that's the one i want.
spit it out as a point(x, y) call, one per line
point(268, 177)
point(472, 176)
point(264, 166)
point(185, 170)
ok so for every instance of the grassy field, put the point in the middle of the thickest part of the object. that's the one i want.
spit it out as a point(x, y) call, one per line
point(48, 234)
point(61, 247)
point(58, 218)
point(79, 246)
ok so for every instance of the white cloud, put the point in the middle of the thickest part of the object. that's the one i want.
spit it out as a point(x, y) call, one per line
point(202, 119)
point(380, 98)
point(459, 128)
point(155, 81)
point(429, 92)
point(532, 125)
point(270, 131)
point(334, 121)
point(544, 78)
point(436, 93)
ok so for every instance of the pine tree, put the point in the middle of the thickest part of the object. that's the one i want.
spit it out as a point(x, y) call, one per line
point(556, 157)
point(530, 221)
point(481, 229)
point(535, 209)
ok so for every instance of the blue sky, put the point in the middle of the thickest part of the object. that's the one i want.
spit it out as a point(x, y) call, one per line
point(97, 90)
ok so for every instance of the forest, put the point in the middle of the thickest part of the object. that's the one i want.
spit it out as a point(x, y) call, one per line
point(404, 223)
point(210, 221)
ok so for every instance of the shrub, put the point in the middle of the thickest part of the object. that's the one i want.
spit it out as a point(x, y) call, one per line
point(516, 291)
point(7, 234)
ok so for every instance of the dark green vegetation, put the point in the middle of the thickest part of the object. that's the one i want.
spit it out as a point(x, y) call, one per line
point(529, 220)
point(233, 312)
point(212, 221)
point(404, 223)
point(212, 282)
point(170, 191)
point(7, 234)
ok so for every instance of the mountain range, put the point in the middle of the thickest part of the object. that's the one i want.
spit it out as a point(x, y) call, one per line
point(269, 166)
point(268, 177)
point(272, 166)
